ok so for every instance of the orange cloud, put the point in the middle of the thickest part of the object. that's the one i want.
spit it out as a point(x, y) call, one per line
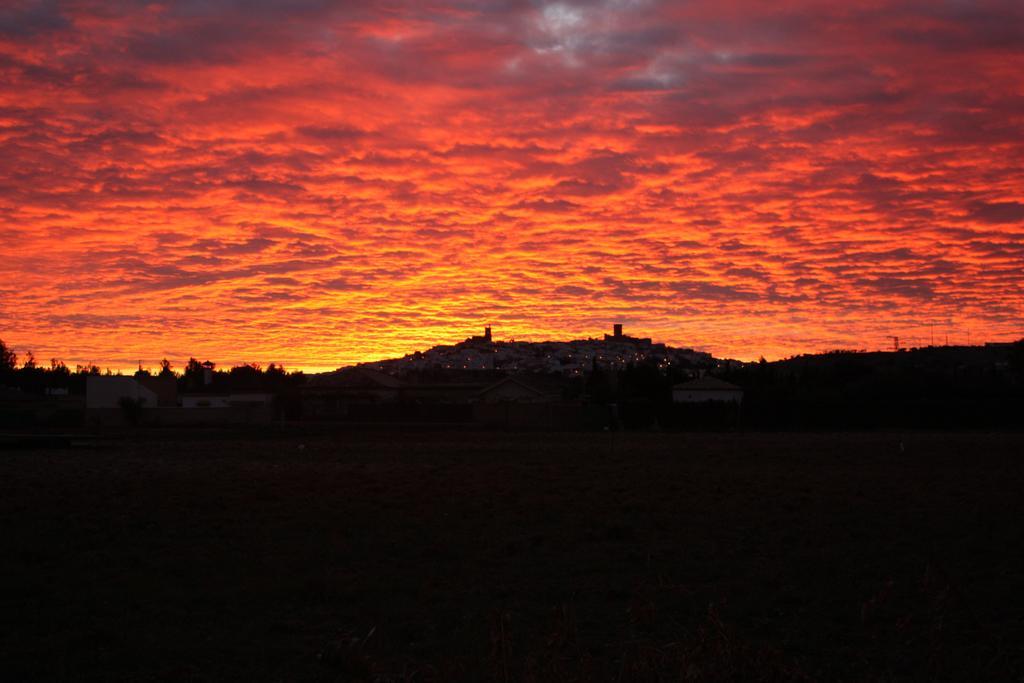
point(314, 185)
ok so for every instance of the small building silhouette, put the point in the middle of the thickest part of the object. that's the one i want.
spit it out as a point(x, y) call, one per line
point(165, 387)
point(19, 409)
point(525, 389)
point(332, 393)
point(706, 389)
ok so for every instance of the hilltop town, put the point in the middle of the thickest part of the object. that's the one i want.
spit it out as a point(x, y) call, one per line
point(618, 381)
point(575, 358)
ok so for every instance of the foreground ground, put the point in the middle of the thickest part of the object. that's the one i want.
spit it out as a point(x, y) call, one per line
point(629, 557)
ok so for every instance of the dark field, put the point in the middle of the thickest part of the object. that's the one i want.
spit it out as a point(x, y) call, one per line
point(474, 557)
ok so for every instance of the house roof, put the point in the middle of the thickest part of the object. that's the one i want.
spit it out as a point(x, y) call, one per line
point(707, 383)
point(541, 385)
point(357, 377)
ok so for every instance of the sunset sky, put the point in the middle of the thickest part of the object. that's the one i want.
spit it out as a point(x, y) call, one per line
point(321, 183)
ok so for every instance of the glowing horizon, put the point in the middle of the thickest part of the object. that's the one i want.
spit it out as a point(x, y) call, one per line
point(315, 185)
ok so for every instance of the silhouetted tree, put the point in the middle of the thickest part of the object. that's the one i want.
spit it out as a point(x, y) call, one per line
point(275, 378)
point(644, 381)
point(8, 359)
point(58, 376)
point(165, 369)
point(599, 386)
point(247, 376)
point(192, 377)
point(1017, 357)
point(58, 369)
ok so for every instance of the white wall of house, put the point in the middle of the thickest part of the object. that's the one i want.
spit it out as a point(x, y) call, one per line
point(106, 392)
point(701, 395)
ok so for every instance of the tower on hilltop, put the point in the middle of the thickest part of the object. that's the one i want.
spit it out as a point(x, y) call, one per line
point(618, 336)
point(484, 338)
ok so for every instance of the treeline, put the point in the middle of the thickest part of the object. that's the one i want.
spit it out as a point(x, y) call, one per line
point(977, 387)
point(36, 378)
point(32, 377)
point(199, 377)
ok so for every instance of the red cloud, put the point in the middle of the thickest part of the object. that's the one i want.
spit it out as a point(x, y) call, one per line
point(316, 185)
